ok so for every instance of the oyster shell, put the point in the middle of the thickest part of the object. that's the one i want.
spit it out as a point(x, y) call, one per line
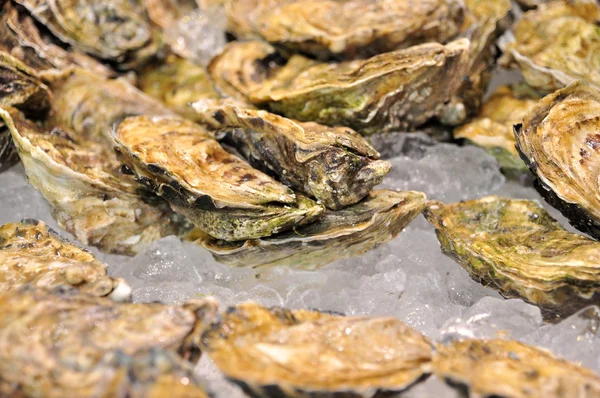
point(61, 343)
point(88, 195)
point(559, 141)
point(501, 368)
point(492, 129)
point(20, 37)
point(291, 353)
point(164, 13)
point(113, 30)
point(177, 82)
point(19, 87)
point(334, 165)
point(515, 247)
point(92, 106)
point(355, 28)
point(30, 252)
point(242, 67)
point(556, 44)
point(396, 90)
point(218, 192)
point(340, 234)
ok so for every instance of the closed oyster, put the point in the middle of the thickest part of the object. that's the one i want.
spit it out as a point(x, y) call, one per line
point(334, 165)
point(88, 195)
point(296, 353)
point(515, 247)
point(177, 82)
point(218, 192)
point(113, 30)
point(559, 140)
point(557, 43)
point(61, 343)
point(530, 3)
point(92, 106)
point(19, 87)
point(396, 90)
point(242, 67)
point(165, 13)
point(492, 129)
point(340, 234)
point(30, 252)
point(501, 368)
point(355, 28)
point(20, 37)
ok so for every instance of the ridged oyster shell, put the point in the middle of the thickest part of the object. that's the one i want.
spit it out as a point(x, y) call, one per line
point(515, 247)
point(291, 353)
point(218, 192)
point(560, 142)
point(30, 252)
point(340, 234)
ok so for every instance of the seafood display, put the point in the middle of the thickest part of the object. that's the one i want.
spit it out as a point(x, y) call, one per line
point(278, 154)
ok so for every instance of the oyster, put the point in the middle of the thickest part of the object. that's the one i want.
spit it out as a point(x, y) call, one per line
point(61, 343)
point(396, 90)
point(557, 43)
point(291, 353)
point(559, 141)
point(177, 82)
point(242, 67)
point(492, 129)
point(30, 252)
point(517, 248)
point(335, 165)
point(19, 87)
point(165, 13)
point(501, 368)
point(88, 195)
point(352, 231)
point(355, 28)
point(113, 30)
point(218, 192)
point(20, 37)
point(92, 106)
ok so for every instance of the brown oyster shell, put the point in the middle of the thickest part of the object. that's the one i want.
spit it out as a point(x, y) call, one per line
point(492, 129)
point(62, 343)
point(218, 192)
point(560, 143)
point(164, 13)
point(340, 234)
point(501, 368)
point(398, 90)
point(32, 253)
point(289, 353)
point(556, 44)
point(514, 246)
point(335, 165)
point(88, 195)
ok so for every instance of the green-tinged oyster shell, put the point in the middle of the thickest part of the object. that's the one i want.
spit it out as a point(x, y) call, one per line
point(242, 67)
point(557, 43)
point(92, 105)
point(298, 353)
point(177, 82)
point(88, 195)
point(355, 28)
point(395, 90)
point(340, 234)
point(114, 30)
point(503, 369)
point(218, 192)
point(19, 87)
point(492, 129)
point(515, 247)
point(560, 142)
point(61, 343)
point(20, 37)
point(30, 252)
point(334, 165)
